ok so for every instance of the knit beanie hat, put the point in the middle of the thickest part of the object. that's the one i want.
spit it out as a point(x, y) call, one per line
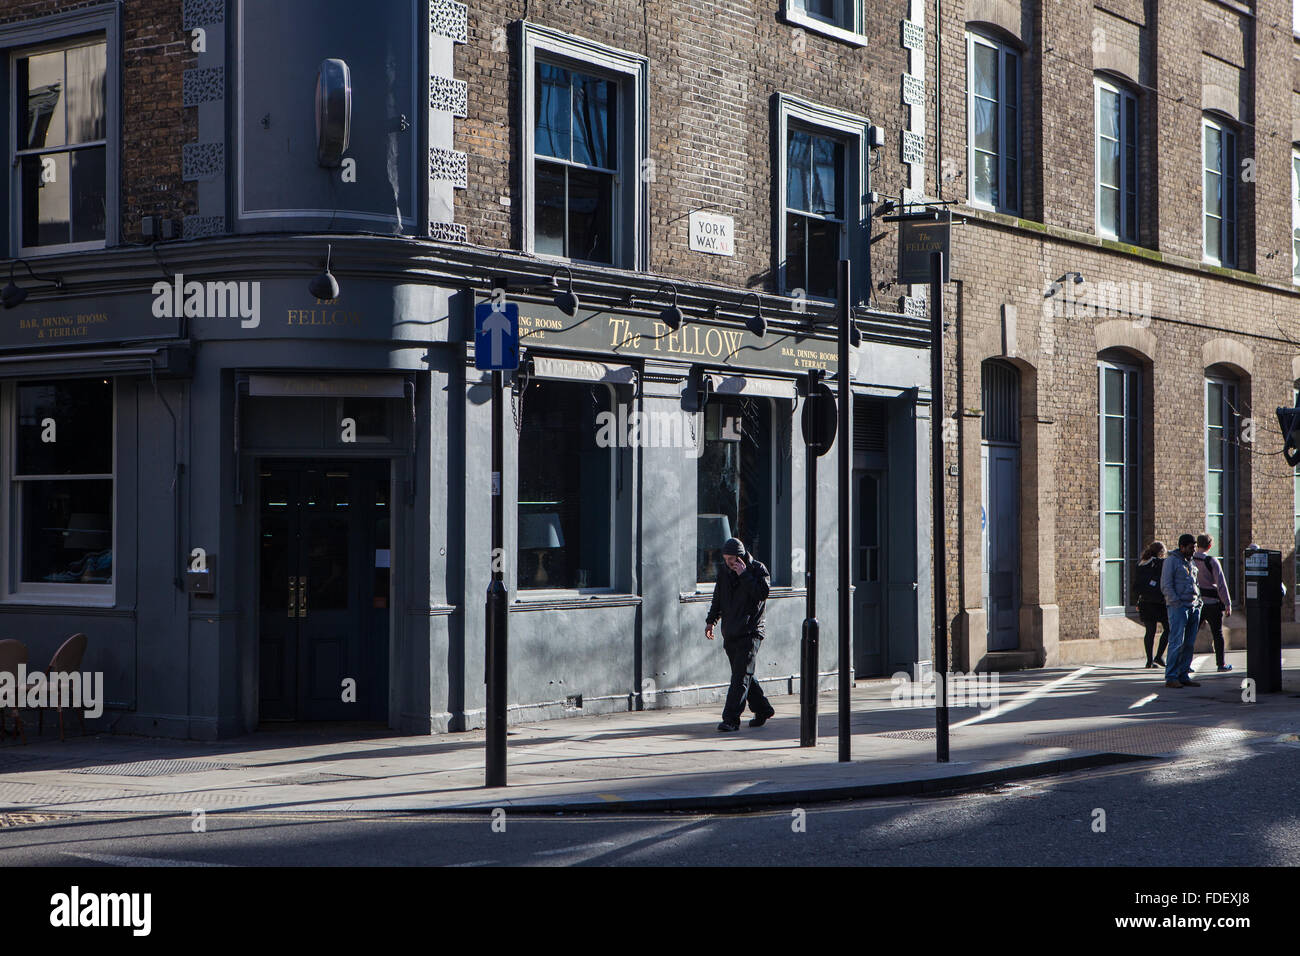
point(734, 547)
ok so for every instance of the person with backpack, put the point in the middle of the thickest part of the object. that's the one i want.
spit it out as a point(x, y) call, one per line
point(1214, 592)
point(739, 601)
point(1151, 601)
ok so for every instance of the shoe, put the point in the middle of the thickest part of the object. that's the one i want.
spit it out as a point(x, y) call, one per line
point(761, 719)
point(1151, 663)
point(1158, 661)
point(1191, 683)
point(1173, 683)
point(727, 728)
point(1225, 667)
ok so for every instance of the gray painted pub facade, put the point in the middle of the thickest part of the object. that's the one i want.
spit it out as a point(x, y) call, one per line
point(330, 458)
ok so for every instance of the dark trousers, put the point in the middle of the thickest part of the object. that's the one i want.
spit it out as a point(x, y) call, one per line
point(1213, 615)
point(743, 654)
point(1151, 617)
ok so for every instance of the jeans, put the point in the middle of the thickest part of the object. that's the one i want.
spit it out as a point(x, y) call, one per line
point(1212, 614)
point(1184, 622)
point(743, 654)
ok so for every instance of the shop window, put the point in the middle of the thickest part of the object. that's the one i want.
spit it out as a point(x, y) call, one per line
point(993, 111)
point(585, 165)
point(821, 179)
point(1119, 412)
point(735, 482)
point(60, 506)
point(1117, 162)
point(566, 488)
point(60, 148)
point(1220, 193)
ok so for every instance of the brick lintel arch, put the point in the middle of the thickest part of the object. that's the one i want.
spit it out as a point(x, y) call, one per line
point(1229, 352)
point(1126, 334)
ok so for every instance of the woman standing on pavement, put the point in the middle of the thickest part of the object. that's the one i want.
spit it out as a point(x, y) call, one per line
point(1151, 601)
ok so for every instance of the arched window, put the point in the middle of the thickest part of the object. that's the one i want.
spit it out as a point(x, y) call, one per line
point(1219, 156)
point(1117, 160)
point(993, 123)
point(1222, 422)
point(1119, 417)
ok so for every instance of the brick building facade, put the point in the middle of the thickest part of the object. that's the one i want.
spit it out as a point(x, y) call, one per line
point(1190, 327)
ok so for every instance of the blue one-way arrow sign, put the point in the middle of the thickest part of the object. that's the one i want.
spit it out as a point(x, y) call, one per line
point(496, 337)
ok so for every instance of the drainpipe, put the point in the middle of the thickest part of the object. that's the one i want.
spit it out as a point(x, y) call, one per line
point(938, 99)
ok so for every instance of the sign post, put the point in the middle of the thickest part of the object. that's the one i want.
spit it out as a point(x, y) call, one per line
point(496, 348)
point(818, 420)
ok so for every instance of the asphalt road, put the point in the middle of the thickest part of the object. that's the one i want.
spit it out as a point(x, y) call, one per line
point(1231, 807)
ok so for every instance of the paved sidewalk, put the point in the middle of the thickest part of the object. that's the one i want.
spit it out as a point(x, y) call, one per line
point(1047, 721)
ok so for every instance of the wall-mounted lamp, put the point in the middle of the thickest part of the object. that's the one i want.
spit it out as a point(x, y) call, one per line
point(1058, 284)
point(756, 323)
point(13, 294)
point(333, 112)
point(566, 300)
point(671, 315)
point(325, 286)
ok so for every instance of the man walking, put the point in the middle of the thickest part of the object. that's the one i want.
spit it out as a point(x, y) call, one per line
point(1214, 592)
point(739, 599)
point(1178, 583)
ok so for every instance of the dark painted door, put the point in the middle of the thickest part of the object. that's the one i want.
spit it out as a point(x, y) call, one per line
point(1002, 545)
point(869, 573)
point(323, 583)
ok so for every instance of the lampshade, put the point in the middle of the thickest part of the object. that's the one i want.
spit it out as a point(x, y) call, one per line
point(87, 532)
point(538, 531)
point(713, 531)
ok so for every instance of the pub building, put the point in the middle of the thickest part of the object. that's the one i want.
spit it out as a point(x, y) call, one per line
point(251, 462)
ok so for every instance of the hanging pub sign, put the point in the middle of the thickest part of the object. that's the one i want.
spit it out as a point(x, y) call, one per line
point(918, 236)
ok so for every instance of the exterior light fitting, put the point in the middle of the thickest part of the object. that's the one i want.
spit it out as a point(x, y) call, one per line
point(325, 286)
point(756, 323)
point(566, 300)
point(671, 315)
point(13, 294)
point(333, 112)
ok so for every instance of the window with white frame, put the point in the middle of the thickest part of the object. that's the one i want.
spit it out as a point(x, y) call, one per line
point(566, 488)
point(60, 146)
point(821, 181)
point(814, 212)
point(993, 113)
point(1219, 154)
point(1117, 161)
point(585, 166)
point(1221, 476)
point(60, 469)
point(1119, 410)
point(841, 19)
point(1295, 216)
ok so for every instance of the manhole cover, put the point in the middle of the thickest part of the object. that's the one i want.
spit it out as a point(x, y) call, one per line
point(26, 819)
point(909, 734)
point(1147, 740)
point(154, 768)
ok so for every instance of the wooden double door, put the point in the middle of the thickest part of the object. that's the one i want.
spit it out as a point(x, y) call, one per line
point(325, 565)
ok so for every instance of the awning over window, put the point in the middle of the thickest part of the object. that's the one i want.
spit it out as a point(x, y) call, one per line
point(581, 370)
point(165, 360)
point(753, 385)
point(327, 386)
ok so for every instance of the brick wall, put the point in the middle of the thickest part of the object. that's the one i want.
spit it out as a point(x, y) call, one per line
point(154, 126)
point(714, 68)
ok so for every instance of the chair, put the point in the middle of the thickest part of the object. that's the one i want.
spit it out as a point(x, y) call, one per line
point(12, 653)
point(66, 660)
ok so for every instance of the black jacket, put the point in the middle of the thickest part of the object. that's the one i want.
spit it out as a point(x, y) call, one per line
point(740, 600)
point(1146, 583)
